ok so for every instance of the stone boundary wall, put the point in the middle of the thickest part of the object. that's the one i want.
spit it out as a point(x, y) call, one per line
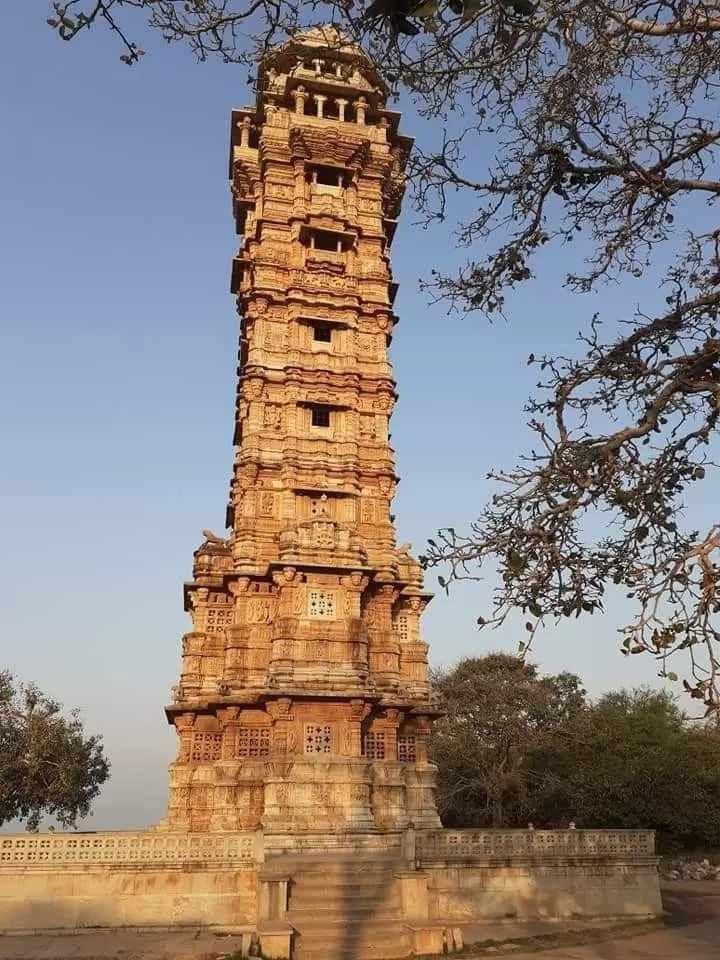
point(143, 879)
point(155, 879)
point(479, 875)
point(471, 844)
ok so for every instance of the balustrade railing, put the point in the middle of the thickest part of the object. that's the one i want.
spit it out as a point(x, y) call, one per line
point(469, 844)
point(124, 848)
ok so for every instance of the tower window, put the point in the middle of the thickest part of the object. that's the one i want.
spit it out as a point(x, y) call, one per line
point(327, 176)
point(322, 333)
point(320, 416)
point(325, 240)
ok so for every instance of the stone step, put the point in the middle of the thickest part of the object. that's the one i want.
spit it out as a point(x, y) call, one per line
point(338, 899)
point(309, 900)
point(318, 924)
point(364, 940)
point(352, 886)
point(380, 949)
point(307, 916)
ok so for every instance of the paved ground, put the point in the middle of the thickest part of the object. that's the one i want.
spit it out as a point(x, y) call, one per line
point(692, 933)
point(701, 941)
point(122, 945)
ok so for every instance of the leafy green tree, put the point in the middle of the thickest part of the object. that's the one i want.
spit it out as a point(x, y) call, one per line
point(48, 766)
point(516, 747)
point(634, 761)
point(600, 125)
point(499, 711)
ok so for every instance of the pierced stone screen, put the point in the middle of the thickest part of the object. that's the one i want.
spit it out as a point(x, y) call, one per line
point(218, 618)
point(253, 742)
point(318, 739)
point(206, 746)
point(374, 745)
point(321, 604)
point(400, 626)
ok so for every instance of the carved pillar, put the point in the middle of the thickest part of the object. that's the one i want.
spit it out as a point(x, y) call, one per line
point(285, 624)
point(359, 711)
point(184, 723)
point(361, 106)
point(300, 95)
point(421, 779)
point(245, 126)
point(301, 193)
point(357, 638)
point(384, 648)
point(393, 719)
point(237, 636)
point(228, 717)
point(190, 677)
point(281, 712)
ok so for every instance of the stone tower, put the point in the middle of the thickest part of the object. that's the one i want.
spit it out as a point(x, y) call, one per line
point(303, 707)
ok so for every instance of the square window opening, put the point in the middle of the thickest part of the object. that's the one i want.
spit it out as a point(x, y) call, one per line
point(326, 240)
point(322, 333)
point(327, 176)
point(320, 416)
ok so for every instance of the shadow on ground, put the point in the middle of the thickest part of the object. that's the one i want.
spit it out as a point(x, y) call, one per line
point(689, 901)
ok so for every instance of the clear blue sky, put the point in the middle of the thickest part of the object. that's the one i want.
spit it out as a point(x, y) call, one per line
point(117, 359)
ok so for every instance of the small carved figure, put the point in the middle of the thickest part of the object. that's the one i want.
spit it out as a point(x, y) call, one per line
point(211, 537)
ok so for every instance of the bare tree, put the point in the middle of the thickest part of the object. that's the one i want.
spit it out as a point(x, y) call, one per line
point(603, 124)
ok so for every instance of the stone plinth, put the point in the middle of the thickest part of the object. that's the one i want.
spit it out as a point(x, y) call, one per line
point(239, 883)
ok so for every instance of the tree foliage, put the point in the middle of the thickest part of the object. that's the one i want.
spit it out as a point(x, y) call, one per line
point(637, 763)
point(48, 766)
point(517, 748)
point(602, 124)
point(499, 711)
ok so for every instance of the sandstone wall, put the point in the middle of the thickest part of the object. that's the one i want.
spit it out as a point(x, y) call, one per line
point(162, 879)
point(70, 881)
point(543, 874)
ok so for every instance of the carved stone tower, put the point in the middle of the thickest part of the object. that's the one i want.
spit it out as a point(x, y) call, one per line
point(303, 706)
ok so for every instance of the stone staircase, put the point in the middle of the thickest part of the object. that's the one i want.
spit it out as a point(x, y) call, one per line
point(344, 908)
